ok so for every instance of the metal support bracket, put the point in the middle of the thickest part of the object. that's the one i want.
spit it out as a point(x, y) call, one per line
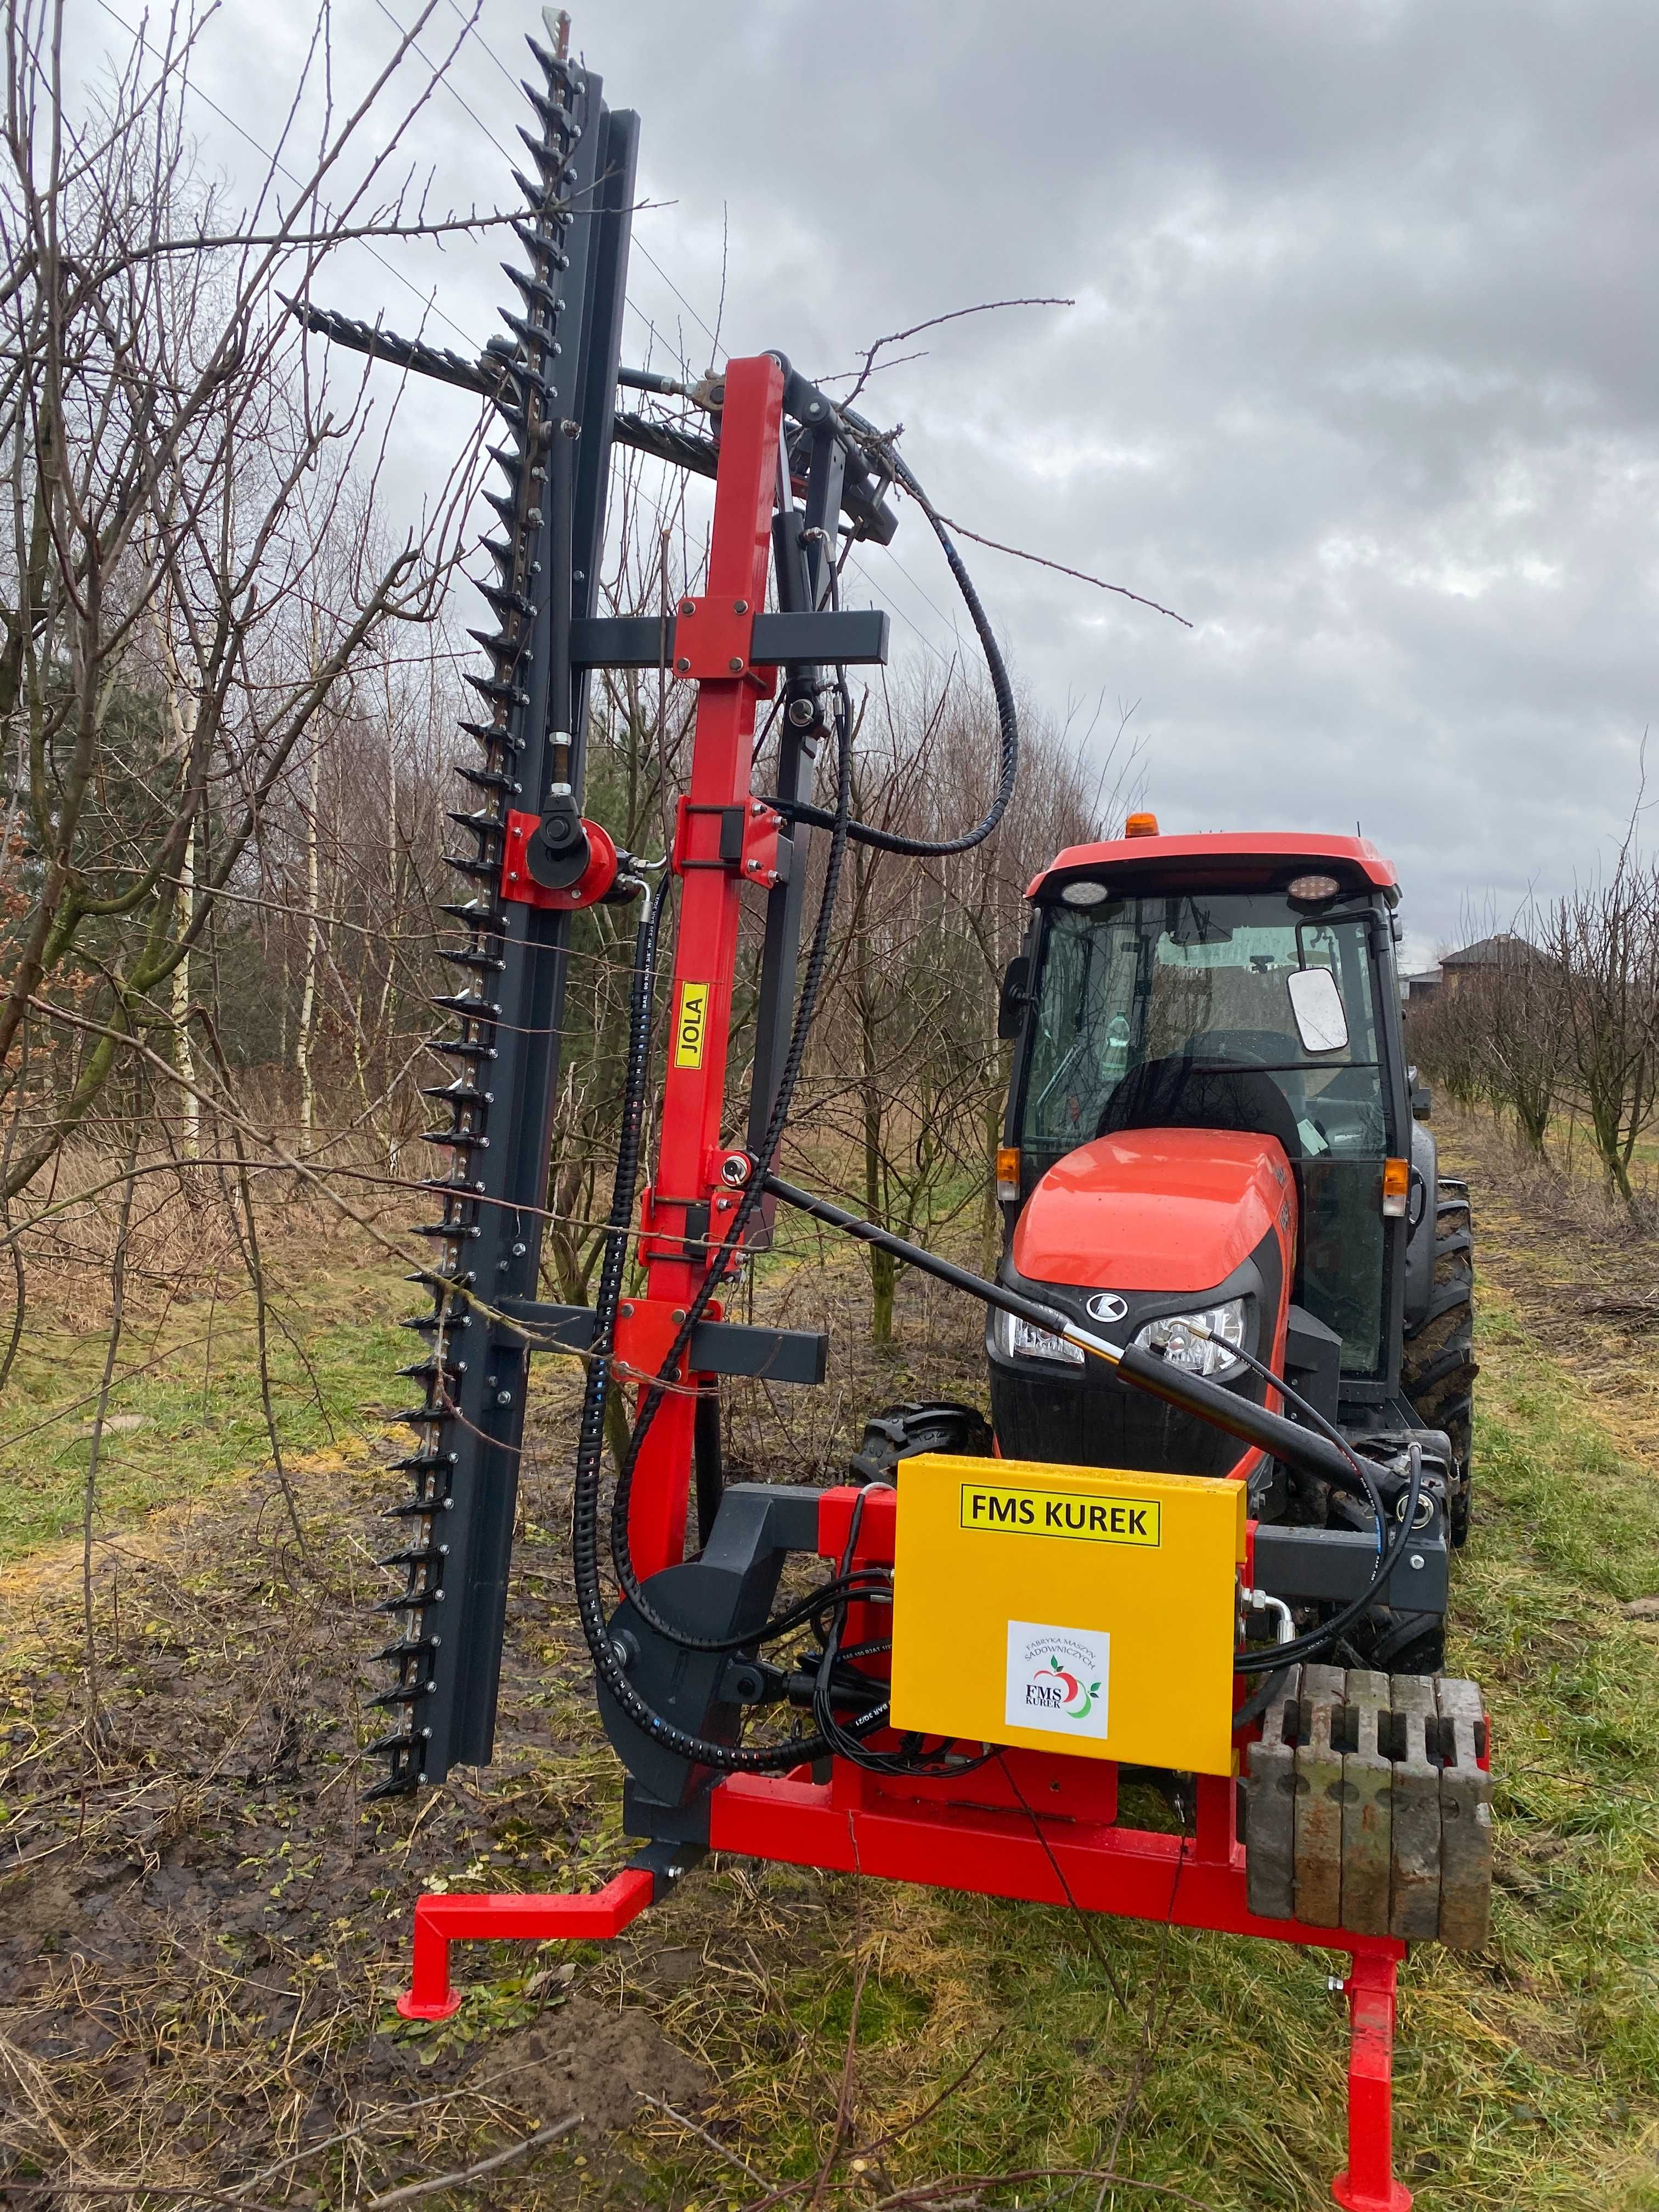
point(717, 1347)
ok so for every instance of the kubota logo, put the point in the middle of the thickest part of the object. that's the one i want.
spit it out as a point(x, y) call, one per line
point(1106, 1305)
point(1054, 1689)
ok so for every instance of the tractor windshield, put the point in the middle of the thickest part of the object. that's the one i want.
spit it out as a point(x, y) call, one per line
point(1148, 1007)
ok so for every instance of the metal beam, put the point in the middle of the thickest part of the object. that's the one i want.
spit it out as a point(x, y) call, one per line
point(856, 637)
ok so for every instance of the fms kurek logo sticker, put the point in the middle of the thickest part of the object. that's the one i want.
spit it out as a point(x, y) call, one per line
point(1058, 1678)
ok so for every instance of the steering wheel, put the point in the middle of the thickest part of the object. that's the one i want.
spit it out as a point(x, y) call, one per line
point(1208, 1047)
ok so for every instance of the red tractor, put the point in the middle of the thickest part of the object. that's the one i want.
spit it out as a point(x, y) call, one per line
point(1214, 1148)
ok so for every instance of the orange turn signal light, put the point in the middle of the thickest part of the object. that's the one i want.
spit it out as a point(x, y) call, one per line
point(1141, 825)
point(1396, 1187)
point(1008, 1173)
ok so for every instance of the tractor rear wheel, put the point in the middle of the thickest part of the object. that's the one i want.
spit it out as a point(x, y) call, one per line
point(918, 1424)
point(1438, 1367)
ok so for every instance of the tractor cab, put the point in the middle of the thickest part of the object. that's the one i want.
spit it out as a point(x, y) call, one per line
point(1209, 1119)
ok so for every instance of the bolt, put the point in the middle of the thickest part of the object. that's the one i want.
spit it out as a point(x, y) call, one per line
point(626, 1310)
point(1417, 1560)
point(519, 1251)
point(503, 1397)
point(739, 606)
point(735, 664)
point(734, 1169)
point(688, 607)
point(753, 866)
point(679, 1313)
point(802, 713)
point(512, 875)
point(815, 407)
point(683, 666)
point(1336, 1984)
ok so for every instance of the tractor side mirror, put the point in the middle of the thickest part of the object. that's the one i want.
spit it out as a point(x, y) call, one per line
point(1422, 1101)
point(1016, 995)
point(1317, 1003)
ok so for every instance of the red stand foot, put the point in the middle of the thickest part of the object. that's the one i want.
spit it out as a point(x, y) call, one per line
point(1367, 2183)
point(439, 1921)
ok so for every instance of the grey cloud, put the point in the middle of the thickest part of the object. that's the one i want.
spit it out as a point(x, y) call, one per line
point(1360, 376)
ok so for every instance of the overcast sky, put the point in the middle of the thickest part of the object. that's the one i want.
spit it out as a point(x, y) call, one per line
point(1360, 375)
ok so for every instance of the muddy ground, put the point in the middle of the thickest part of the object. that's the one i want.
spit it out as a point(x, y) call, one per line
point(202, 1925)
point(202, 1928)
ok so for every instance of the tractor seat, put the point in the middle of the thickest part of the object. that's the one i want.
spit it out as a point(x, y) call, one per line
point(1175, 1094)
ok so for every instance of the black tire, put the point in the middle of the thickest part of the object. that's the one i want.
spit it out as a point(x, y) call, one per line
point(1401, 1643)
point(924, 1424)
point(1437, 1366)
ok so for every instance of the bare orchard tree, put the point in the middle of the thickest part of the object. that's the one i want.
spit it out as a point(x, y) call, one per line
point(1076, 784)
point(906, 1078)
point(1604, 942)
point(1501, 1037)
point(190, 568)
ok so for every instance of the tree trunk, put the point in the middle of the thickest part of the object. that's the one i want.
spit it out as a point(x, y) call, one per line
point(302, 1042)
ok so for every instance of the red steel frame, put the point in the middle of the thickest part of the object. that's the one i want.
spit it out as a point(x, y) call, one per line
point(1050, 1838)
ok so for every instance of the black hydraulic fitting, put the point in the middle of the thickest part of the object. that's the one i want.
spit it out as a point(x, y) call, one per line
point(558, 852)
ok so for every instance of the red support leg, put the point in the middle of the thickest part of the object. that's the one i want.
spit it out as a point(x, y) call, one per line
point(1367, 2183)
point(439, 1921)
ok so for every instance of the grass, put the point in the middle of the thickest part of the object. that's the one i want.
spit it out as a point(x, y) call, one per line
point(185, 1413)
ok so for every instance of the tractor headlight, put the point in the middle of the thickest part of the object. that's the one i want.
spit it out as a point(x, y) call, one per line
point(1203, 1343)
point(1019, 1339)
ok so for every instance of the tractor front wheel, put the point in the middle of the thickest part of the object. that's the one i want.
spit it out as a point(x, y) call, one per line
point(1438, 1367)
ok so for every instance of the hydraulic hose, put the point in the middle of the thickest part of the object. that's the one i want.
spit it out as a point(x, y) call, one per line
point(590, 1445)
point(1274, 1656)
point(1311, 1413)
point(889, 841)
point(1238, 1416)
point(700, 1750)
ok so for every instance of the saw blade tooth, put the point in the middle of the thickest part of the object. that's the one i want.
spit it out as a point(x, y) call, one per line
point(506, 600)
point(460, 1047)
point(488, 779)
point(497, 735)
point(507, 650)
point(495, 687)
point(550, 160)
point(535, 290)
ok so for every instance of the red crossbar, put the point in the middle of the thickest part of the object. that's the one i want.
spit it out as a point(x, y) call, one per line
point(440, 1920)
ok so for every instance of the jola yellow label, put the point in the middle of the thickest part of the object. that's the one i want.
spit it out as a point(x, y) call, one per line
point(691, 1023)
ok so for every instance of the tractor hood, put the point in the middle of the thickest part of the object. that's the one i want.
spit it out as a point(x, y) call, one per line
point(1169, 1210)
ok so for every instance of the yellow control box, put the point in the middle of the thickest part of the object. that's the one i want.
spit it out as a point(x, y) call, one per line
point(1078, 1609)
